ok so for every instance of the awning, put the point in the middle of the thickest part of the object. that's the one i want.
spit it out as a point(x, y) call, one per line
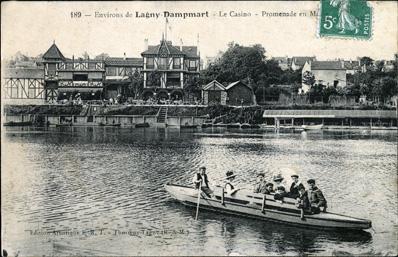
point(79, 89)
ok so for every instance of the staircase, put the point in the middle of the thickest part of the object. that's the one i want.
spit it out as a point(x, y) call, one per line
point(162, 115)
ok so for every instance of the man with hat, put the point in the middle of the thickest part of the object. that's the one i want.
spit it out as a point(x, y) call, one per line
point(230, 189)
point(261, 184)
point(316, 197)
point(200, 179)
point(294, 188)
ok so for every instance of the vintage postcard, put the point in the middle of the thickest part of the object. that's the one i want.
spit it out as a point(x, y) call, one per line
point(184, 128)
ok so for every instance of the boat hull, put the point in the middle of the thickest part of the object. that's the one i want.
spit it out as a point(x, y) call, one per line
point(189, 196)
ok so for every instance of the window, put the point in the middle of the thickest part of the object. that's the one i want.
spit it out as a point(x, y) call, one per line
point(335, 83)
point(150, 63)
point(80, 77)
point(110, 71)
point(176, 63)
point(163, 63)
point(52, 69)
point(192, 65)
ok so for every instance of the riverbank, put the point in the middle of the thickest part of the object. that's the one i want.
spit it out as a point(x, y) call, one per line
point(199, 115)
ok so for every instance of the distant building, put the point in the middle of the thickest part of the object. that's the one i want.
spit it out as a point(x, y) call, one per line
point(283, 62)
point(64, 77)
point(328, 73)
point(298, 62)
point(166, 68)
point(120, 73)
point(23, 86)
point(352, 67)
point(236, 94)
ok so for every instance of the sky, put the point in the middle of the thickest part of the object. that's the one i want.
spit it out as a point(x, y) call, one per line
point(31, 27)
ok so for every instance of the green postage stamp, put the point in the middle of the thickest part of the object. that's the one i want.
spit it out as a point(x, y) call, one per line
point(345, 18)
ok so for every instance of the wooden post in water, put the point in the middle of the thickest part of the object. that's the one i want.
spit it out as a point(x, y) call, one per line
point(222, 196)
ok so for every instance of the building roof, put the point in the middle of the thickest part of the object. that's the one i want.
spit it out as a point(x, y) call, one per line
point(214, 84)
point(53, 53)
point(189, 51)
point(301, 60)
point(28, 73)
point(231, 85)
point(120, 61)
point(327, 65)
point(329, 113)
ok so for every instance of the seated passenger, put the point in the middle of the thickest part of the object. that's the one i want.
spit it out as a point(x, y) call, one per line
point(280, 193)
point(316, 197)
point(229, 188)
point(302, 199)
point(294, 188)
point(260, 186)
point(269, 188)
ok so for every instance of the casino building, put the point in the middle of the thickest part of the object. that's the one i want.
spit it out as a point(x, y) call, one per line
point(162, 71)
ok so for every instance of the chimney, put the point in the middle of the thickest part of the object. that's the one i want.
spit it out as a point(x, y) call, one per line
point(181, 44)
point(145, 44)
point(124, 56)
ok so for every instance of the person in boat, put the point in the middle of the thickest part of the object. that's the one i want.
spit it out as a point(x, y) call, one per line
point(280, 188)
point(269, 188)
point(294, 188)
point(261, 184)
point(229, 187)
point(302, 199)
point(200, 179)
point(316, 198)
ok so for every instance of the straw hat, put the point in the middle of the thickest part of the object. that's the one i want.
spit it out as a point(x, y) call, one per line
point(230, 174)
point(277, 178)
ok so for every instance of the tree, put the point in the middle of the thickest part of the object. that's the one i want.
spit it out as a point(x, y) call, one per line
point(85, 55)
point(154, 79)
point(367, 62)
point(101, 56)
point(136, 86)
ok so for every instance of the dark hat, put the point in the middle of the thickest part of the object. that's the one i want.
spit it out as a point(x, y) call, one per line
point(294, 175)
point(311, 181)
point(230, 174)
point(202, 168)
point(269, 184)
point(261, 174)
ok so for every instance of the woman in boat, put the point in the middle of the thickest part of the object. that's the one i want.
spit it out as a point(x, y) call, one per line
point(229, 187)
point(280, 187)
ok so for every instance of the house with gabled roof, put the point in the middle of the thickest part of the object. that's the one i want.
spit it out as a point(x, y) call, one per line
point(328, 73)
point(298, 62)
point(236, 93)
point(166, 69)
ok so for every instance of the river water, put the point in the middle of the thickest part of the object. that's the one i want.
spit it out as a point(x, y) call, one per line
point(99, 190)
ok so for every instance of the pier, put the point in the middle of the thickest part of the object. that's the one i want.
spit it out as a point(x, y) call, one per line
point(373, 119)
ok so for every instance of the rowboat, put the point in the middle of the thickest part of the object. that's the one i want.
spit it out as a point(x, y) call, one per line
point(109, 125)
point(18, 123)
point(312, 127)
point(264, 207)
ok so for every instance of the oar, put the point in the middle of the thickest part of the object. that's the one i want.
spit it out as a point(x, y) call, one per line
point(197, 206)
